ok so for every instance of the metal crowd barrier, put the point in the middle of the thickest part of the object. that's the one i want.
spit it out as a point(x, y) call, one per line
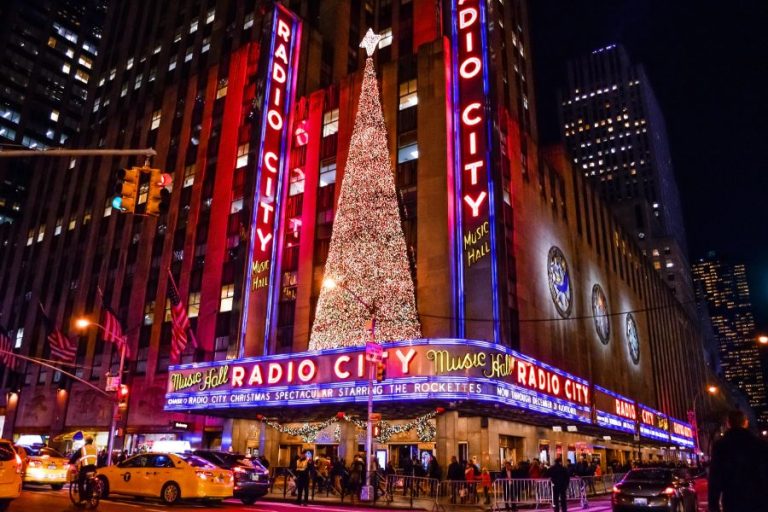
point(508, 492)
point(596, 485)
point(461, 494)
point(415, 491)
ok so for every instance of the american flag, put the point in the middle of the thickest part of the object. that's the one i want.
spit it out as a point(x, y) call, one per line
point(62, 348)
point(181, 332)
point(7, 357)
point(113, 331)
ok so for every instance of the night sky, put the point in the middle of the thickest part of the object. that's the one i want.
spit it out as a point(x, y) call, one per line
point(708, 64)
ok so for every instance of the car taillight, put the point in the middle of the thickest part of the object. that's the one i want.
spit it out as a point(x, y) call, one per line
point(669, 491)
point(616, 489)
point(66, 466)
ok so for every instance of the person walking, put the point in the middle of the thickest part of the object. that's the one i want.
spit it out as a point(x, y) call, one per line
point(559, 477)
point(302, 480)
point(739, 470)
point(455, 474)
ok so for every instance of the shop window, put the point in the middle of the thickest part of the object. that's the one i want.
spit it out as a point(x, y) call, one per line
point(330, 122)
point(242, 155)
point(408, 94)
point(408, 153)
point(327, 173)
point(227, 297)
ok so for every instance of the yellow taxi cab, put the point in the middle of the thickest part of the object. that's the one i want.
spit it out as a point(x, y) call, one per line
point(10, 474)
point(44, 466)
point(167, 476)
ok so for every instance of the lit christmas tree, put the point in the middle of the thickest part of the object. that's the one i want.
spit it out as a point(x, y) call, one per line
point(367, 259)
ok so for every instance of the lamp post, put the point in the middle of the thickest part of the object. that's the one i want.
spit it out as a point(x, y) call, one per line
point(83, 323)
point(762, 339)
point(712, 390)
point(366, 493)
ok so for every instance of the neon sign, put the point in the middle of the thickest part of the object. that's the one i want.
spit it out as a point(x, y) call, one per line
point(276, 120)
point(475, 236)
point(653, 424)
point(614, 411)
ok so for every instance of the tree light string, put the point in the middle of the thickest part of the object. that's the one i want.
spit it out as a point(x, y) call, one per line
point(367, 254)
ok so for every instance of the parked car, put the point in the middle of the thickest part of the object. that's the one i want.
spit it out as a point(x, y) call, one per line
point(10, 474)
point(43, 465)
point(170, 477)
point(251, 477)
point(653, 489)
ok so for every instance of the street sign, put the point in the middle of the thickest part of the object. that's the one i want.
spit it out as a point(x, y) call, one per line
point(373, 352)
point(113, 382)
point(375, 417)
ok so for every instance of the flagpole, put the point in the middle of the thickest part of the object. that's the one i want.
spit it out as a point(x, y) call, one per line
point(115, 406)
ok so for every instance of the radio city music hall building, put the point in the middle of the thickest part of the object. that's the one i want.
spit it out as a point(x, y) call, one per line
point(543, 330)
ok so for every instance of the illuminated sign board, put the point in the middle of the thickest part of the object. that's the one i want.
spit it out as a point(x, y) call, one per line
point(418, 370)
point(653, 424)
point(614, 411)
point(681, 433)
point(279, 87)
point(475, 235)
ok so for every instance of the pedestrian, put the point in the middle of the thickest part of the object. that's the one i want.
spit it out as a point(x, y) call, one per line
point(535, 471)
point(435, 473)
point(356, 475)
point(739, 471)
point(558, 475)
point(468, 493)
point(485, 479)
point(455, 475)
point(302, 479)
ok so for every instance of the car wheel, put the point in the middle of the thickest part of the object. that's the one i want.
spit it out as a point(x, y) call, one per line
point(170, 493)
point(104, 487)
point(248, 500)
point(57, 487)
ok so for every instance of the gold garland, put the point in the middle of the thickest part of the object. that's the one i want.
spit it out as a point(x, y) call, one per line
point(425, 431)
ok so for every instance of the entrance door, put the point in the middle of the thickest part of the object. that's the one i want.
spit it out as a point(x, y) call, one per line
point(402, 452)
point(327, 450)
point(287, 454)
point(510, 449)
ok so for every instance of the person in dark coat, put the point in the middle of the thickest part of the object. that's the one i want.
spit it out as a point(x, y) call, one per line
point(559, 477)
point(455, 473)
point(739, 470)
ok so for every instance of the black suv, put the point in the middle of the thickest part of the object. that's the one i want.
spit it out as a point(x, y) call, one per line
point(251, 478)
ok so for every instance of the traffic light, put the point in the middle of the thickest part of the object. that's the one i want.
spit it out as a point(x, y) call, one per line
point(128, 188)
point(376, 430)
point(122, 394)
point(158, 197)
point(381, 371)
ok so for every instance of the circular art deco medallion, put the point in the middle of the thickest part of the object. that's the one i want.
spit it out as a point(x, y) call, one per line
point(633, 339)
point(559, 278)
point(600, 314)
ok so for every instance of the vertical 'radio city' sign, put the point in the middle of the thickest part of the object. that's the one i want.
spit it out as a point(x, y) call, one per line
point(475, 234)
point(279, 90)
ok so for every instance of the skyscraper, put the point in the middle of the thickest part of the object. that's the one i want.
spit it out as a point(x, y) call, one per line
point(47, 52)
point(252, 109)
point(615, 133)
point(723, 287)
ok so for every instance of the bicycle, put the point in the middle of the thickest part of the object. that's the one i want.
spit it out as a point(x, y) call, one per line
point(91, 490)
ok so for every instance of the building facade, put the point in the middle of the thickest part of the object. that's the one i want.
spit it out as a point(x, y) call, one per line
point(615, 131)
point(545, 331)
point(49, 48)
point(723, 288)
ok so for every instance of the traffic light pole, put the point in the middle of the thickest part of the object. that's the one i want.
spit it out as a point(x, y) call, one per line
point(115, 407)
point(59, 152)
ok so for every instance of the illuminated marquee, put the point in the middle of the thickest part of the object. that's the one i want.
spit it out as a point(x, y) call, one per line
point(681, 433)
point(420, 370)
point(279, 88)
point(475, 235)
point(425, 369)
point(653, 424)
point(614, 411)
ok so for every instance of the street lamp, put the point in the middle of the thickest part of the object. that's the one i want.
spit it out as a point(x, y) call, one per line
point(762, 339)
point(329, 284)
point(712, 390)
point(83, 323)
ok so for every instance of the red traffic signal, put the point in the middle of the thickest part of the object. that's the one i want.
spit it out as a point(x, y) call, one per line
point(381, 371)
point(122, 392)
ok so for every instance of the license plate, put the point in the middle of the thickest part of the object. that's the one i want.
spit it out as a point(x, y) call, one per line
point(254, 477)
point(640, 501)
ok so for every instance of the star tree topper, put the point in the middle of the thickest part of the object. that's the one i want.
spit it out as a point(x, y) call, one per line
point(370, 42)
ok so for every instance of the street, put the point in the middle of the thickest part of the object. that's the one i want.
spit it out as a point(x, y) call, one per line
point(42, 499)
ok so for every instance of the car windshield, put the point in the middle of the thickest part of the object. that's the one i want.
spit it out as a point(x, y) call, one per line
point(6, 452)
point(39, 452)
point(196, 462)
point(649, 475)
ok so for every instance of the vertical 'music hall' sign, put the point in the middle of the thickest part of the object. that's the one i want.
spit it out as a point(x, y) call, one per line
point(276, 118)
point(476, 280)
